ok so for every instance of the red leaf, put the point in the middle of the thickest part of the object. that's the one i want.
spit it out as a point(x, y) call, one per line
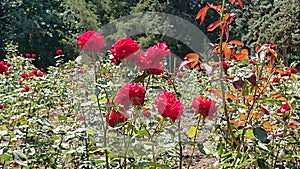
point(211, 27)
point(202, 13)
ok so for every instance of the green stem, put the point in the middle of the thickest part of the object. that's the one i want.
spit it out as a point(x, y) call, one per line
point(221, 79)
point(194, 141)
point(180, 145)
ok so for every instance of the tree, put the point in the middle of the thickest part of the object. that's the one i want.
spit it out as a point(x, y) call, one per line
point(272, 21)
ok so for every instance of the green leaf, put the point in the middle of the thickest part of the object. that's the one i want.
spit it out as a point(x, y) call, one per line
point(249, 133)
point(192, 132)
point(291, 140)
point(20, 158)
point(262, 164)
point(90, 131)
point(62, 117)
point(5, 157)
point(260, 134)
point(208, 147)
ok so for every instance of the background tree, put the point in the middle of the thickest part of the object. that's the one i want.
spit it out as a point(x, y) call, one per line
point(272, 21)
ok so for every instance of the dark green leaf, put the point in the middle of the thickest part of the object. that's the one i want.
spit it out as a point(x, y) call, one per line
point(260, 134)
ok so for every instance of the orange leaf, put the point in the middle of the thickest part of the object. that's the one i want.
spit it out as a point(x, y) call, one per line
point(282, 99)
point(242, 55)
point(202, 13)
point(263, 109)
point(239, 2)
point(230, 96)
point(193, 59)
point(257, 115)
point(294, 124)
point(227, 16)
point(236, 42)
point(243, 117)
point(211, 27)
point(267, 125)
point(227, 53)
point(216, 93)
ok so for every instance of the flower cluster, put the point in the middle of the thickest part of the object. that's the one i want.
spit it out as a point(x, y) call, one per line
point(203, 106)
point(152, 59)
point(130, 93)
point(4, 67)
point(168, 106)
point(34, 72)
point(91, 41)
point(28, 55)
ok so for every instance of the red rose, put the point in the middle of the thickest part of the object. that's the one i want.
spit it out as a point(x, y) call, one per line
point(226, 66)
point(25, 89)
point(131, 93)
point(124, 47)
point(147, 113)
point(283, 109)
point(152, 58)
point(1, 106)
point(113, 118)
point(20, 82)
point(3, 67)
point(33, 55)
point(168, 105)
point(252, 62)
point(6, 73)
point(91, 41)
point(293, 70)
point(204, 106)
point(276, 79)
point(27, 55)
point(59, 52)
point(286, 73)
point(24, 75)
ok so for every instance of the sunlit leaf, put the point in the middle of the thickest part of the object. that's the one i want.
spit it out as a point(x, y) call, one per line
point(192, 132)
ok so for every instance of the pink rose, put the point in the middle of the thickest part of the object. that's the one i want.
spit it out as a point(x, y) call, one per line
point(91, 41)
point(203, 106)
point(59, 52)
point(152, 58)
point(131, 93)
point(123, 48)
point(168, 106)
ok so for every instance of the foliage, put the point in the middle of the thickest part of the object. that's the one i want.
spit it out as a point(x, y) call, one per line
point(271, 21)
